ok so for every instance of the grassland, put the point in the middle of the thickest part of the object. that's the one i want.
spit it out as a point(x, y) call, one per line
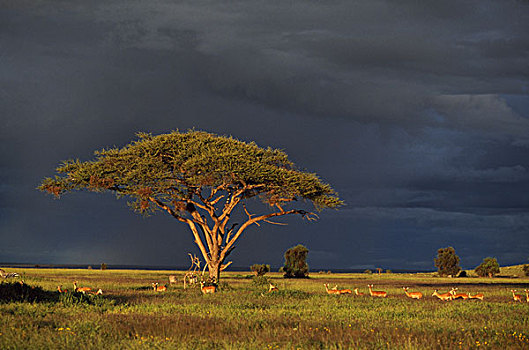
point(243, 316)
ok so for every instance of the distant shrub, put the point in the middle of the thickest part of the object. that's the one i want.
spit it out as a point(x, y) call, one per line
point(463, 273)
point(260, 269)
point(489, 267)
point(526, 270)
point(447, 262)
point(368, 271)
point(295, 262)
point(388, 271)
point(103, 266)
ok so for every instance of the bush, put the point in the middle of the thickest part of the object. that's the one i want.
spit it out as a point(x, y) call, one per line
point(447, 262)
point(260, 269)
point(463, 273)
point(368, 271)
point(489, 267)
point(103, 266)
point(260, 281)
point(526, 270)
point(295, 262)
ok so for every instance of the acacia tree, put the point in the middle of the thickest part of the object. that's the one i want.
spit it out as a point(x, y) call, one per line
point(199, 179)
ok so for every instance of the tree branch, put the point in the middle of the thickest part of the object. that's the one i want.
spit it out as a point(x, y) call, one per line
point(305, 214)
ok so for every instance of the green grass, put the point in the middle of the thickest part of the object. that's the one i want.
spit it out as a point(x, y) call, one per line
point(243, 316)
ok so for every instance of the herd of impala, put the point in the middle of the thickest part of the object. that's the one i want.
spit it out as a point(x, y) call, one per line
point(451, 295)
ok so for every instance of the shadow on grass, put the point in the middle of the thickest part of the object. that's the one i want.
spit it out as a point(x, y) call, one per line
point(21, 292)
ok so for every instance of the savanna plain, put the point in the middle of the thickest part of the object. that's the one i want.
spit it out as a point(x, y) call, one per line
point(243, 315)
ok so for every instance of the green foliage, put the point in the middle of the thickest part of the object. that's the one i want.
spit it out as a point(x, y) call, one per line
point(260, 269)
point(177, 166)
point(489, 267)
point(447, 262)
point(295, 262)
point(260, 281)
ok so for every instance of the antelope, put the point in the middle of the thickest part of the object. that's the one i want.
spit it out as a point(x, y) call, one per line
point(479, 296)
point(157, 288)
point(208, 289)
point(272, 288)
point(459, 295)
point(413, 295)
point(527, 295)
point(444, 296)
point(60, 290)
point(357, 292)
point(516, 297)
point(80, 289)
point(99, 292)
point(375, 293)
point(336, 291)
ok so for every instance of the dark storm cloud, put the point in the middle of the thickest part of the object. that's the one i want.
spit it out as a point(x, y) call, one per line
point(416, 112)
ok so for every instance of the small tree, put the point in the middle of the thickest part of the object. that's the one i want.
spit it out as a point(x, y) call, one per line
point(295, 262)
point(489, 267)
point(260, 269)
point(447, 262)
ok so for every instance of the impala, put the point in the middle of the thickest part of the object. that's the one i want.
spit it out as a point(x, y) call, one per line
point(80, 289)
point(99, 292)
point(516, 297)
point(444, 296)
point(336, 291)
point(357, 292)
point(60, 290)
point(375, 293)
point(479, 296)
point(413, 295)
point(458, 295)
point(158, 288)
point(208, 289)
point(272, 288)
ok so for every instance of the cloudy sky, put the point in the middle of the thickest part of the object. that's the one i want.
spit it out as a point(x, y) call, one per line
point(416, 112)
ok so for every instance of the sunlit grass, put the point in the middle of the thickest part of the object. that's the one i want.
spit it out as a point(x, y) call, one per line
point(301, 315)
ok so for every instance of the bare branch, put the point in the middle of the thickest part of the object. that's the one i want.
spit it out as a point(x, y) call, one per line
point(229, 243)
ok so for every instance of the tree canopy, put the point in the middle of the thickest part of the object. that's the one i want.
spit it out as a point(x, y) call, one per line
point(447, 262)
point(199, 178)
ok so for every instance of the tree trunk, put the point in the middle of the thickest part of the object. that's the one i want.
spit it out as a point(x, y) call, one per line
point(214, 271)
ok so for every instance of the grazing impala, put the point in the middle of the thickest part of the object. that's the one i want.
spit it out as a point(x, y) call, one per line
point(516, 297)
point(80, 289)
point(158, 288)
point(479, 296)
point(413, 295)
point(357, 292)
point(444, 296)
point(458, 295)
point(208, 289)
point(375, 293)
